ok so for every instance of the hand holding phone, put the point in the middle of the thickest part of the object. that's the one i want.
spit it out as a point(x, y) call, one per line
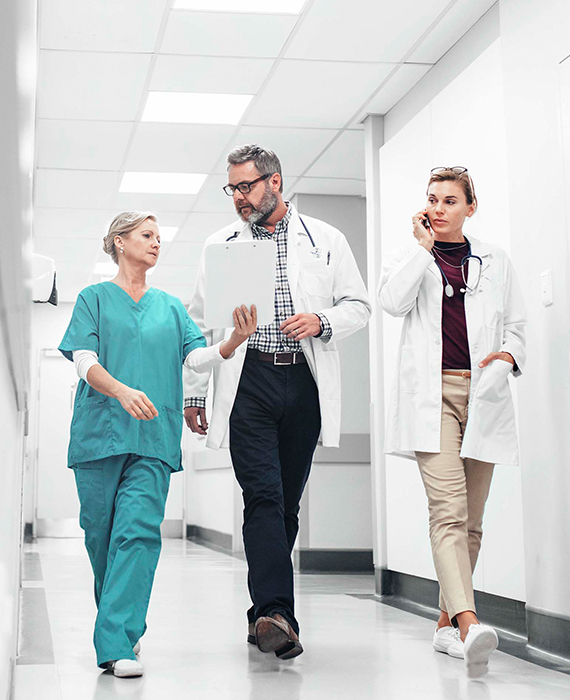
point(422, 230)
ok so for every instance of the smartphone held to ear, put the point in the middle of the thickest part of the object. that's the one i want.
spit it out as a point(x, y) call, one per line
point(426, 222)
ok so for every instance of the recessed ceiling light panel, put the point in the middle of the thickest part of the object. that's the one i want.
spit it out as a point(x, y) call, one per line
point(195, 108)
point(288, 7)
point(162, 183)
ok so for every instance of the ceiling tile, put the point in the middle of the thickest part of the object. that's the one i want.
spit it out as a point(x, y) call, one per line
point(75, 85)
point(296, 148)
point(345, 158)
point(310, 185)
point(72, 223)
point(92, 25)
point(82, 145)
point(222, 34)
point(75, 189)
point(177, 148)
point(126, 201)
point(201, 225)
point(212, 198)
point(363, 30)
point(399, 84)
point(231, 76)
point(180, 253)
point(462, 16)
point(319, 94)
point(86, 223)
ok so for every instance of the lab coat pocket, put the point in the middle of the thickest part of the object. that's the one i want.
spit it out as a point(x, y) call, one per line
point(408, 371)
point(318, 279)
point(493, 386)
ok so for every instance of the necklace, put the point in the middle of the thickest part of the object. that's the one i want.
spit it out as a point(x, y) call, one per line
point(461, 245)
point(443, 260)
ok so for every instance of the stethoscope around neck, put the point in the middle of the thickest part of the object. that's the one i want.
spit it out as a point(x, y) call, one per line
point(236, 234)
point(447, 288)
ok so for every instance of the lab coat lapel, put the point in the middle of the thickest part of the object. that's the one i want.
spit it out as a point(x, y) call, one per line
point(484, 252)
point(295, 233)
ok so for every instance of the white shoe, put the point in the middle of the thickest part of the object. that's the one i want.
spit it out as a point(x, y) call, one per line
point(126, 668)
point(137, 648)
point(448, 641)
point(480, 643)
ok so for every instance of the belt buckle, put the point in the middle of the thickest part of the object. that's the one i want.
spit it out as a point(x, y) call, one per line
point(276, 360)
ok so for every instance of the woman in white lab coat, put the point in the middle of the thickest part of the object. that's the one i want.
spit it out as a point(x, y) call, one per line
point(451, 407)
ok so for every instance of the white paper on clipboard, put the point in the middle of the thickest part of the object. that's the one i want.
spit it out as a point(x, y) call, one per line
point(239, 272)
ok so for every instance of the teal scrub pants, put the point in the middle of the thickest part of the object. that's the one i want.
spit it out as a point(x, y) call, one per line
point(122, 506)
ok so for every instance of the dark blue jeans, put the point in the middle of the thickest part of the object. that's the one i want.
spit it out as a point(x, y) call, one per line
point(274, 428)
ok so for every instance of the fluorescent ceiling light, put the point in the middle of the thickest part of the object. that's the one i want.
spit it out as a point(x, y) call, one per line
point(108, 269)
point(167, 233)
point(195, 108)
point(162, 183)
point(289, 7)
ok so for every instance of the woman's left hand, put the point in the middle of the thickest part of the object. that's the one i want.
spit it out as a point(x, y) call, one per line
point(506, 356)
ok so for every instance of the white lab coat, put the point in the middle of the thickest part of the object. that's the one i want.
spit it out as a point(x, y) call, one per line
point(329, 283)
point(411, 286)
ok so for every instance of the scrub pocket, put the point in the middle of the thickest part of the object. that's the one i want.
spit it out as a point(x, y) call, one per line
point(91, 432)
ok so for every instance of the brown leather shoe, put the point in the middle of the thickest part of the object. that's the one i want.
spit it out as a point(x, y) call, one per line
point(276, 634)
point(251, 633)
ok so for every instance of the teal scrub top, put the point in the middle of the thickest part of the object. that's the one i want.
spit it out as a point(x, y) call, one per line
point(142, 345)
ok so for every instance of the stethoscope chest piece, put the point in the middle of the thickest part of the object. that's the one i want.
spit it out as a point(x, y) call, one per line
point(449, 290)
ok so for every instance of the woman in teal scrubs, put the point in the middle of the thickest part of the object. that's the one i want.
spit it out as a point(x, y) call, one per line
point(129, 342)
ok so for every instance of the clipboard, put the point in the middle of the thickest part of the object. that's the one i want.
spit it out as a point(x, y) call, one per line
point(239, 272)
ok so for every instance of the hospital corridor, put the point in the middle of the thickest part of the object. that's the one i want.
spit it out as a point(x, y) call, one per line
point(285, 349)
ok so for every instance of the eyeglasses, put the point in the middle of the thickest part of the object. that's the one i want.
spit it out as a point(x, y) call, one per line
point(457, 169)
point(244, 187)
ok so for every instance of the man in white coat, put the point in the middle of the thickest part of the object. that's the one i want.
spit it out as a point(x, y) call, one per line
point(280, 394)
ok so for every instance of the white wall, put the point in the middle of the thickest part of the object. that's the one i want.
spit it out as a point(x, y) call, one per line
point(535, 38)
point(463, 124)
point(17, 78)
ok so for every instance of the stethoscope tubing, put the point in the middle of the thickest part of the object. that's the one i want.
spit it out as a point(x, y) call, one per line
point(236, 234)
point(465, 258)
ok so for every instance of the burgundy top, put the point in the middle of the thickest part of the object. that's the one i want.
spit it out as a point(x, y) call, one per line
point(453, 324)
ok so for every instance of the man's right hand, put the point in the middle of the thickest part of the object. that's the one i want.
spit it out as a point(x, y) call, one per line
point(196, 419)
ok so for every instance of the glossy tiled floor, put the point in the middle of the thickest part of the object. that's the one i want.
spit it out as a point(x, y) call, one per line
point(195, 644)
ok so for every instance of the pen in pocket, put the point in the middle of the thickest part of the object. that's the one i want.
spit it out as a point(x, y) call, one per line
point(328, 257)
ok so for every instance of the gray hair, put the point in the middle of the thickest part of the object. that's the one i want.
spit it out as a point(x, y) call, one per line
point(265, 161)
point(122, 225)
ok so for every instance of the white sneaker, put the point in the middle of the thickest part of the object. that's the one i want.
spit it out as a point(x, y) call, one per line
point(137, 648)
point(480, 643)
point(126, 668)
point(448, 641)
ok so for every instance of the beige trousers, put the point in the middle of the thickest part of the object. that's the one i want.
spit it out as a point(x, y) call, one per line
point(457, 490)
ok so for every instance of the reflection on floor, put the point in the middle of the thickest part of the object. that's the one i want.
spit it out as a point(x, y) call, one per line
point(195, 646)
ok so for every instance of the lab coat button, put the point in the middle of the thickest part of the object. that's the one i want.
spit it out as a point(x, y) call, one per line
point(438, 342)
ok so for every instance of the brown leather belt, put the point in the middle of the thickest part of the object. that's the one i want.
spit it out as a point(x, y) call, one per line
point(466, 373)
point(277, 358)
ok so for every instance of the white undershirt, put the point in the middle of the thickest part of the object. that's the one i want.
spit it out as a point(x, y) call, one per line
point(199, 359)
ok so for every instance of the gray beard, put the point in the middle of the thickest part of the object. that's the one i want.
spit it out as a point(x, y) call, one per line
point(268, 204)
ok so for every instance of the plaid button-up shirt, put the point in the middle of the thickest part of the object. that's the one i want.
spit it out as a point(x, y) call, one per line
point(269, 338)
